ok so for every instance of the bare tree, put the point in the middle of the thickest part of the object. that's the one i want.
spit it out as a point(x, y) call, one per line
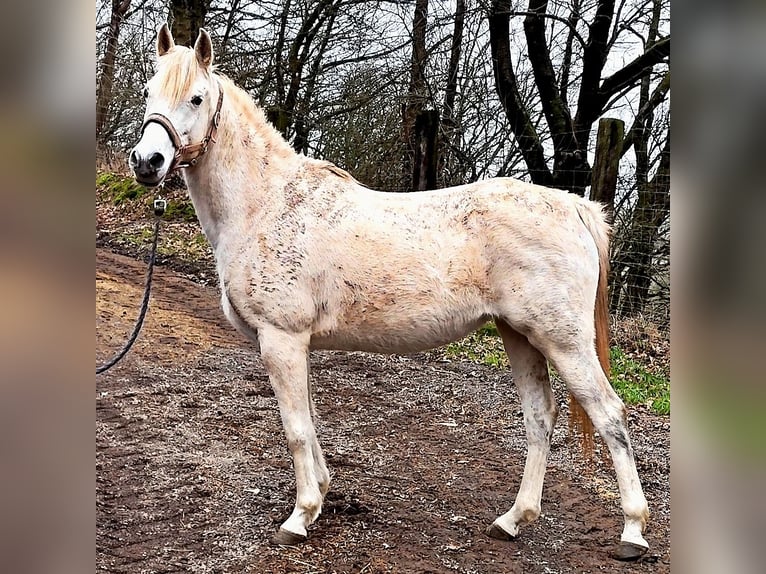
point(569, 134)
point(107, 65)
point(289, 73)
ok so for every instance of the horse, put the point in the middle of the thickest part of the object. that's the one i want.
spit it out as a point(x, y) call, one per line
point(308, 258)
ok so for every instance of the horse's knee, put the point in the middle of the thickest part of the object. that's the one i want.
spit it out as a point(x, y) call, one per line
point(297, 443)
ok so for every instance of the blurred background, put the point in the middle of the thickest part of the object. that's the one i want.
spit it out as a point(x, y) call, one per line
point(719, 427)
point(47, 68)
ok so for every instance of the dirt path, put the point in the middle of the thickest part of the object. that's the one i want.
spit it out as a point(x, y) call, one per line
point(193, 473)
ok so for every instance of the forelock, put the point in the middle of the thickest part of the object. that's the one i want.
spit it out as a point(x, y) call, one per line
point(178, 69)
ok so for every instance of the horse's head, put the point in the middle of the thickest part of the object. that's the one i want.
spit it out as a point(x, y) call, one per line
point(183, 102)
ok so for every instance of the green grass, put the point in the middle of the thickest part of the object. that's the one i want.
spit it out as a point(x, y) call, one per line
point(632, 381)
point(636, 385)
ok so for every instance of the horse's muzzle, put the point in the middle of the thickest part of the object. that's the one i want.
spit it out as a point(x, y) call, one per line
point(147, 169)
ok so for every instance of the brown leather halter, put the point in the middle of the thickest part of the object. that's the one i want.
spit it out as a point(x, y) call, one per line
point(187, 155)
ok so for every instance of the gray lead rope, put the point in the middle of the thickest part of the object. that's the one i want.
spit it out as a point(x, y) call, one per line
point(159, 209)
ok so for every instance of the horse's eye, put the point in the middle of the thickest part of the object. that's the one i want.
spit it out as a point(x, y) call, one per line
point(196, 100)
point(146, 93)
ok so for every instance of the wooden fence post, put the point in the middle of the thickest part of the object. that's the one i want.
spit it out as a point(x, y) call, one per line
point(426, 151)
point(607, 161)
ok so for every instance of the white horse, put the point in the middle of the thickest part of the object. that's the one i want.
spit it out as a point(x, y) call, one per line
point(310, 259)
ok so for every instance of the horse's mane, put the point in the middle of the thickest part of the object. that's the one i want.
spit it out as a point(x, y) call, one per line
point(335, 170)
point(244, 104)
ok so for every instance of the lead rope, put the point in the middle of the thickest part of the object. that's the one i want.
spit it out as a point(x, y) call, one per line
point(159, 209)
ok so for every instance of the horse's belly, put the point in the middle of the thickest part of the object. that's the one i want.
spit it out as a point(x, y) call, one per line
point(401, 337)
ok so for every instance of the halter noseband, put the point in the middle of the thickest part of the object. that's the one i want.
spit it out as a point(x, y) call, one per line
point(187, 155)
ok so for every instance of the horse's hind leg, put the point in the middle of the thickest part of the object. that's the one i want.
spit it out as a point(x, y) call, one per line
point(530, 375)
point(578, 365)
point(285, 357)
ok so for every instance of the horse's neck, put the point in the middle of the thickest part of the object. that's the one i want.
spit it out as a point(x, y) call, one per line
point(235, 181)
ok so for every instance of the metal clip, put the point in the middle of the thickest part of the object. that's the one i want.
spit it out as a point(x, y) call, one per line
point(159, 207)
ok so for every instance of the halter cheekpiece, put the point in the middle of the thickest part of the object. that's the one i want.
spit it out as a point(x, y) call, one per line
point(187, 155)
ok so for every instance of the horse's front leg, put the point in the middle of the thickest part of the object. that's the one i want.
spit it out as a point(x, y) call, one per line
point(285, 357)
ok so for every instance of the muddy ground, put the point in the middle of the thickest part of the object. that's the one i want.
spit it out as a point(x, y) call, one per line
point(193, 472)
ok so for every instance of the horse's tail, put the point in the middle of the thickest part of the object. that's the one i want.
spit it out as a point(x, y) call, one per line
point(592, 215)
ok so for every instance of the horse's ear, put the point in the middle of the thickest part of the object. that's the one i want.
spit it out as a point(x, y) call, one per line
point(203, 48)
point(164, 40)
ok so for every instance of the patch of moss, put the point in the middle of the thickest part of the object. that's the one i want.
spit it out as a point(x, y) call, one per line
point(180, 210)
point(119, 188)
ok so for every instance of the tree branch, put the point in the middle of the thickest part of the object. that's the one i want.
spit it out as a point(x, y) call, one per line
point(658, 96)
point(566, 65)
point(566, 21)
point(594, 57)
point(365, 57)
point(633, 71)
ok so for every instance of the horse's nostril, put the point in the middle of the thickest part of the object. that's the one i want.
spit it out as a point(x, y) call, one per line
point(133, 159)
point(156, 160)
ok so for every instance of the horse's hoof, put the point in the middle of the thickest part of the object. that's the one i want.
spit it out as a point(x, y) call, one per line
point(627, 552)
point(494, 531)
point(286, 538)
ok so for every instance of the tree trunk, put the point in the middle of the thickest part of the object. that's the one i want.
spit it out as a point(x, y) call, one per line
point(450, 91)
point(566, 66)
point(283, 113)
point(507, 89)
point(571, 170)
point(606, 164)
point(233, 10)
point(187, 17)
point(633, 274)
point(416, 93)
point(589, 103)
point(425, 149)
point(106, 76)
point(302, 128)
